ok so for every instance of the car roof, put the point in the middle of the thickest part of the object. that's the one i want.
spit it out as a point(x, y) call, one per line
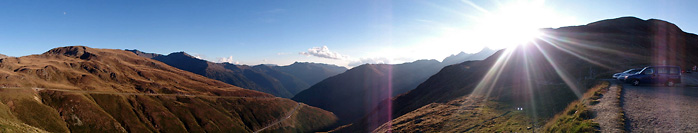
point(663, 66)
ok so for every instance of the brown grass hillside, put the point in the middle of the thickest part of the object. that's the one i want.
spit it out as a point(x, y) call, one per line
point(81, 89)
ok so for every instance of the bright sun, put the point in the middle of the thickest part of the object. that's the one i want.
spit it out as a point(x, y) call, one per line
point(506, 25)
point(515, 23)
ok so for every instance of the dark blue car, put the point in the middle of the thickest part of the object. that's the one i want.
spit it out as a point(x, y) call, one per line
point(667, 75)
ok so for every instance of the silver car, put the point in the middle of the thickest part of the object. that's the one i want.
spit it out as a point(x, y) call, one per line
point(621, 76)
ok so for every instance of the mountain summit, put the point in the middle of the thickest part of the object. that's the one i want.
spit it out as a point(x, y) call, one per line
point(282, 81)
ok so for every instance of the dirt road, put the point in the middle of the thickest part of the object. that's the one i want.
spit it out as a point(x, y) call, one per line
point(281, 119)
point(660, 109)
point(607, 110)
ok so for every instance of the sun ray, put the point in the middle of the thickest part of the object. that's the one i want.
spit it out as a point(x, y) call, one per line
point(529, 82)
point(583, 44)
point(558, 70)
point(567, 50)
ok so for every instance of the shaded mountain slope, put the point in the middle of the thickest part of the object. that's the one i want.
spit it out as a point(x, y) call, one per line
point(81, 89)
point(352, 94)
point(311, 73)
point(356, 92)
point(282, 81)
point(291, 83)
point(546, 75)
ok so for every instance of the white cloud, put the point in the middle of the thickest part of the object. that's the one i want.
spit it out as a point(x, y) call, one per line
point(324, 52)
point(199, 56)
point(228, 60)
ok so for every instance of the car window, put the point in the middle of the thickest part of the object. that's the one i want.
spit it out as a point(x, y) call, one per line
point(673, 70)
point(662, 70)
point(634, 71)
point(649, 71)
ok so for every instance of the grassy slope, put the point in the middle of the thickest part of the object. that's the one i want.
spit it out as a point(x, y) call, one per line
point(466, 114)
point(117, 71)
point(10, 124)
point(24, 106)
point(123, 113)
point(303, 120)
point(577, 117)
point(477, 114)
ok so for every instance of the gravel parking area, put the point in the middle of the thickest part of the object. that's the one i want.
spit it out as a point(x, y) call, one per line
point(660, 109)
point(608, 109)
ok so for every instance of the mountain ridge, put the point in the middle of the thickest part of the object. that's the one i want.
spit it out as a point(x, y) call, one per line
point(282, 81)
point(82, 89)
point(354, 93)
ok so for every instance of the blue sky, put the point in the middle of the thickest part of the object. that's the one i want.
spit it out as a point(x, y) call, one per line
point(346, 33)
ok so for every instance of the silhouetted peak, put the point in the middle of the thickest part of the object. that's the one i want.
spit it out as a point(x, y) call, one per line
point(624, 25)
point(664, 24)
point(619, 22)
point(486, 49)
point(424, 61)
point(307, 63)
point(632, 23)
point(181, 54)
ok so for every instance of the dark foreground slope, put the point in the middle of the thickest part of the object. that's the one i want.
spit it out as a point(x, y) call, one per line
point(281, 81)
point(544, 76)
point(81, 89)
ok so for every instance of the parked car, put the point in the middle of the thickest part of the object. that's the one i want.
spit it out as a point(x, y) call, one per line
point(667, 75)
point(621, 76)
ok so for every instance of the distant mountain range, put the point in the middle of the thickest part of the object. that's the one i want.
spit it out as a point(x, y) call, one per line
point(462, 56)
point(82, 89)
point(282, 81)
point(543, 77)
point(354, 93)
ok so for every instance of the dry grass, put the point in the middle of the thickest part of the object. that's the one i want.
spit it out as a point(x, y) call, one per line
point(462, 115)
point(117, 71)
point(577, 117)
point(621, 114)
point(23, 105)
point(9, 126)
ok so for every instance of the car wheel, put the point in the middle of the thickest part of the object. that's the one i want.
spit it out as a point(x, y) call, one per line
point(670, 83)
point(636, 82)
